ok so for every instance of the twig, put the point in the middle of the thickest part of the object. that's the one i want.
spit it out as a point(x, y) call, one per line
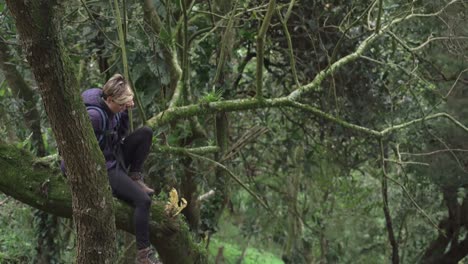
point(369, 24)
point(4, 201)
point(290, 47)
point(227, 37)
point(434, 152)
point(206, 196)
point(185, 54)
point(418, 208)
point(262, 203)
point(407, 162)
point(97, 25)
point(455, 83)
point(260, 47)
point(430, 39)
point(251, 134)
point(127, 249)
point(379, 16)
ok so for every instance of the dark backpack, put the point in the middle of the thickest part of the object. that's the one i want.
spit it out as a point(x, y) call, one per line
point(103, 134)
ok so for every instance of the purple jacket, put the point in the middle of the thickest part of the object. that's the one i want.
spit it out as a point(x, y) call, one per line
point(117, 125)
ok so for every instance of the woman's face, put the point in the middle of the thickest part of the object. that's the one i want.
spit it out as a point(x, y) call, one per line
point(118, 107)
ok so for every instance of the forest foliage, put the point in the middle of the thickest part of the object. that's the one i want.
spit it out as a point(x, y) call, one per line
point(321, 131)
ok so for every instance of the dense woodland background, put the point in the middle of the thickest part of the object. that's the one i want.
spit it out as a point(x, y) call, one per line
point(298, 131)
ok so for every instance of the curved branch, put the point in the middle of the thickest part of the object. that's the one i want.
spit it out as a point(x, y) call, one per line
point(315, 84)
point(187, 111)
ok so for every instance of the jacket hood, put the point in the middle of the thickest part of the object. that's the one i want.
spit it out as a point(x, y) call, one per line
point(92, 97)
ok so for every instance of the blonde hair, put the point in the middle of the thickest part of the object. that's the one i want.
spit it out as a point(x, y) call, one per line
point(118, 88)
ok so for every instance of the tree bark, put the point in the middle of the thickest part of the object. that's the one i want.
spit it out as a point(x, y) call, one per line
point(38, 24)
point(36, 184)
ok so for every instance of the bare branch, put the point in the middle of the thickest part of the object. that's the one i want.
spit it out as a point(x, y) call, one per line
point(455, 83)
point(290, 47)
point(253, 194)
point(4, 201)
point(206, 196)
point(97, 25)
point(430, 39)
point(399, 162)
point(260, 46)
point(434, 152)
point(419, 209)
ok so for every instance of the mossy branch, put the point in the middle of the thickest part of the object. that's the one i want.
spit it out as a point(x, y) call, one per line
point(317, 81)
point(46, 189)
point(186, 151)
point(188, 111)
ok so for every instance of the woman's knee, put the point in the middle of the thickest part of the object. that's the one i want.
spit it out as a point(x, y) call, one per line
point(146, 132)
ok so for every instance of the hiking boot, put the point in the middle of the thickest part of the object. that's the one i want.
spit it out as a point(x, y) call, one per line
point(146, 256)
point(136, 176)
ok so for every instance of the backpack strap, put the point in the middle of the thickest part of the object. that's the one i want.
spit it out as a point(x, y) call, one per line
point(118, 116)
point(104, 124)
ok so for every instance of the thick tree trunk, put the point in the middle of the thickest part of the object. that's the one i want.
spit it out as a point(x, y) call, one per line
point(448, 247)
point(37, 23)
point(39, 186)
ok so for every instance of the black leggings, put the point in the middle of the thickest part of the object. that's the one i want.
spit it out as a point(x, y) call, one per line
point(135, 150)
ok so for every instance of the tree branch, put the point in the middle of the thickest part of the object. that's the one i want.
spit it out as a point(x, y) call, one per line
point(46, 189)
point(260, 46)
point(388, 218)
point(315, 84)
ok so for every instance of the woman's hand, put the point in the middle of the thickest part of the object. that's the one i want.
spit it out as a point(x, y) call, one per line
point(130, 105)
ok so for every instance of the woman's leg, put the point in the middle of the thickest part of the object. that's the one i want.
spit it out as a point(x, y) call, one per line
point(127, 190)
point(136, 148)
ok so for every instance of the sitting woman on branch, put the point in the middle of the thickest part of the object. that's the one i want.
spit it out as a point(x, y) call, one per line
point(124, 154)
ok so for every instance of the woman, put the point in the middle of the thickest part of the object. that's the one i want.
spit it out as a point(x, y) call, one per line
point(124, 154)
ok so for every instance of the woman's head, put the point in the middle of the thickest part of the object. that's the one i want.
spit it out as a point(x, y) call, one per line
point(117, 93)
